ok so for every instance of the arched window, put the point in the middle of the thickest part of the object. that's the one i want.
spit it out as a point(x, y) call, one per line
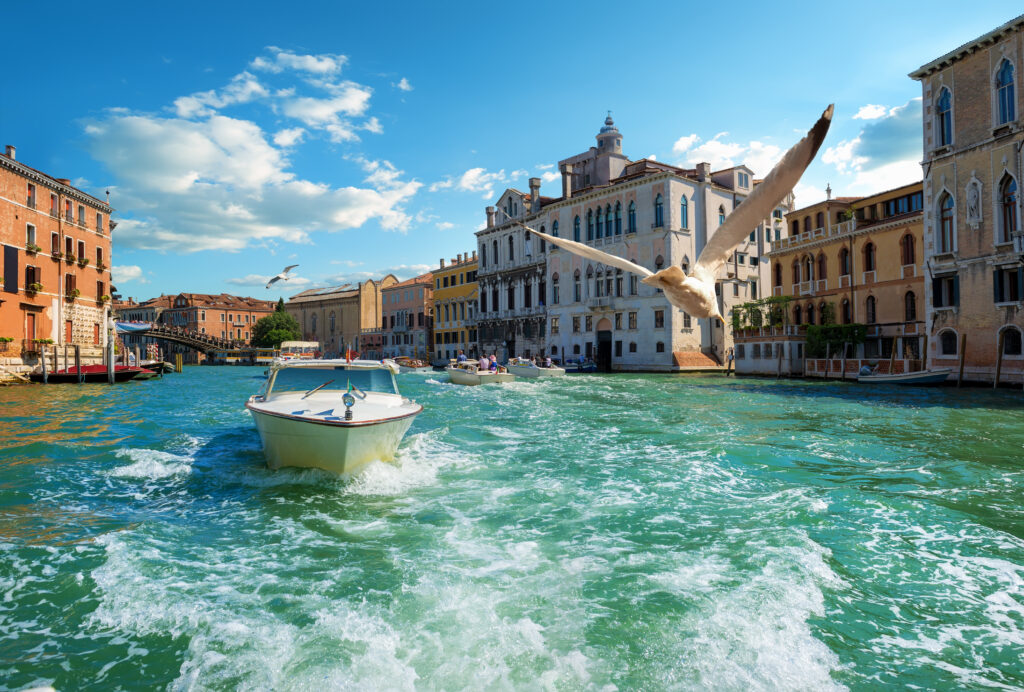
point(907, 249)
point(870, 305)
point(600, 224)
point(483, 255)
point(599, 284)
point(631, 228)
point(659, 212)
point(810, 314)
point(778, 273)
point(543, 247)
point(1004, 94)
point(590, 281)
point(796, 271)
point(844, 262)
point(685, 264)
point(659, 262)
point(577, 292)
point(576, 229)
point(511, 251)
point(494, 247)
point(1008, 202)
point(796, 228)
point(847, 318)
point(608, 221)
point(910, 307)
point(944, 117)
point(822, 267)
point(618, 218)
point(819, 220)
point(590, 224)
point(947, 342)
point(618, 283)
point(869, 257)
point(1011, 341)
point(554, 289)
point(554, 228)
point(946, 209)
point(332, 322)
point(721, 215)
point(807, 223)
point(797, 316)
point(684, 213)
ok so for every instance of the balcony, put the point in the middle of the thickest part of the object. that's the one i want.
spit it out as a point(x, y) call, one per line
point(599, 302)
point(805, 288)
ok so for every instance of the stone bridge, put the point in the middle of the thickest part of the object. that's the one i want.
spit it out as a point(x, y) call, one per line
point(204, 343)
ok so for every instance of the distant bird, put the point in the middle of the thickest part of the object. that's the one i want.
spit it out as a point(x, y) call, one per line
point(283, 276)
point(695, 294)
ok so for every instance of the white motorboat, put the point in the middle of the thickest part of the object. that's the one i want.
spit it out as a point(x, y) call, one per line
point(937, 376)
point(407, 364)
point(331, 414)
point(470, 374)
point(524, 368)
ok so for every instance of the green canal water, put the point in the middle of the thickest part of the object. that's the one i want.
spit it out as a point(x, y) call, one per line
point(594, 532)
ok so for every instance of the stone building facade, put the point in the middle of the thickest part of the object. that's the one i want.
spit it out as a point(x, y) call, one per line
point(859, 260)
point(407, 326)
point(56, 247)
point(341, 316)
point(552, 302)
point(455, 303)
point(973, 243)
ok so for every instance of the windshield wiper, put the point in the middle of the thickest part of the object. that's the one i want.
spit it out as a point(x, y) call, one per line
point(316, 389)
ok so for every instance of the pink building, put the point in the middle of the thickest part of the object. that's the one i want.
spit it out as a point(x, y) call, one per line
point(408, 310)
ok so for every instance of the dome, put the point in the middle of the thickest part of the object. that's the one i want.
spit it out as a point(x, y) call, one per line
point(609, 124)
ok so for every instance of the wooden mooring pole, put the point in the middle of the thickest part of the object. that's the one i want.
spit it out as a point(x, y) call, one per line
point(56, 359)
point(78, 364)
point(46, 374)
point(963, 354)
point(999, 358)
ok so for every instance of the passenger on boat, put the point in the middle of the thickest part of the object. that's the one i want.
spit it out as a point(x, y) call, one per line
point(547, 362)
point(462, 356)
point(494, 363)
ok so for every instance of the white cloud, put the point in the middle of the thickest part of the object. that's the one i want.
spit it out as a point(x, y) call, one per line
point(550, 176)
point(281, 60)
point(721, 154)
point(870, 112)
point(243, 88)
point(127, 273)
point(332, 114)
point(444, 225)
point(403, 84)
point(401, 271)
point(289, 137)
point(544, 166)
point(476, 180)
point(684, 143)
point(806, 194)
point(884, 154)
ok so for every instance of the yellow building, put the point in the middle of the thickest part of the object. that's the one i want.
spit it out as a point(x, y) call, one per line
point(847, 260)
point(455, 304)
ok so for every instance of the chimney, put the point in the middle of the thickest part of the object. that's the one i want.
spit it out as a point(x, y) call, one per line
point(534, 195)
point(566, 180)
point(442, 263)
point(10, 152)
point(703, 172)
point(458, 258)
point(490, 217)
point(474, 255)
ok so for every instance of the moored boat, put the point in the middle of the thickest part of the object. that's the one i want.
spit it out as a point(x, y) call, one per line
point(922, 377)
point(524, 368)
point(331, 414)
point(580, 366)
point(470, 374)
point(407, 364)
point(91, 374)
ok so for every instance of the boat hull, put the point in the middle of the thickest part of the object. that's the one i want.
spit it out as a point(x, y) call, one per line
point(576, 368)
point(534, 371)
point(459, 376)
point(337, 448)
point(407, 369)
point(92, 374)
point(925, 377)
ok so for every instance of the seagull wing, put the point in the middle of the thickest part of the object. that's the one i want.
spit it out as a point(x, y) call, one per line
point(273, 281)
point(762, 201)
point(289, 268)
point(591, 253)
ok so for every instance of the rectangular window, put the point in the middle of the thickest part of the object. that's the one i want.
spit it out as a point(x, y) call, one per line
point(99, 223)
point(30, 234)
point(69, 246)
point(222, 319)
point(632, 320)
point(30, 197)
point(946, 291)
point(633, 283)
point(659, 319)
point(687, 322)
point(69, 210)
point(1007, 285)
point(54, 208)
point(99, 290)
point(632, 347)
point(589, 323)
point(81, 215)
point(618, 349)
point(81, 249)
point(444, 282)
point(741, 258)
point(753, 289)
point(554, 325)
point(735, 289)
point(99, 257)
point(576, 325)
point(618, 320)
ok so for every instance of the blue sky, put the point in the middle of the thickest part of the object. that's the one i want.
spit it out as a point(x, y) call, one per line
point(355, 140)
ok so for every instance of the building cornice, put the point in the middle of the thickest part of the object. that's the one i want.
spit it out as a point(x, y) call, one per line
point(858, 231)
point(53, 184)
point(951, 57)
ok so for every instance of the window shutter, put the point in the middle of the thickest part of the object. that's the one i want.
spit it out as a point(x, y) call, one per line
point(1020, 284)
point(937, 292)
point(956, 290)
point(997, 287)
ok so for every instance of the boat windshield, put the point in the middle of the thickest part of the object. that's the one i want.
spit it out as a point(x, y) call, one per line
point(305, 379)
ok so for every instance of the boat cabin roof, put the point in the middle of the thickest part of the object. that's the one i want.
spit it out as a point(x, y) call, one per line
point(335, 363)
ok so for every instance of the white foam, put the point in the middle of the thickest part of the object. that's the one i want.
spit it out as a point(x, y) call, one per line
point(151, 464)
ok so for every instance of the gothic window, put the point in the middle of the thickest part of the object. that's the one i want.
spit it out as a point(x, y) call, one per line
point(947, 342)
point(590, 224)
point(870, 304)
point(608, 220)
point(822, 267)
point(576, 229)
point(796, 271)
point(494, 248)
point(684, 213)
point(511, 251)
point(483, 255)
point(600, 223)
point(944, 117)
point(1008, 203)
point(577, 293)
point(844, 262)
point(1004, 93)
point(618, 218)
point(721, 215)
point(810, 314)
point(554, 228)
point(659, 212)
point(907, 249)
point(807, 223)
point(554, 289)
point(945, 239)
point(819, 220)
point(869, 257)
point(1011, 341)
point(910, 307)
point(797, 315)
point(847, 318)
point(631, 227)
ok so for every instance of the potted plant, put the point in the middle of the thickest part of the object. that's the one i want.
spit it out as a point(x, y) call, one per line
point(57, 255)
point(100, 266)
point(83, 261)
point(72, 294)
point(32, 248)
point(69, 257)
point(42, 342)
point(4, 340)
point(34, 287)
point(104, 299)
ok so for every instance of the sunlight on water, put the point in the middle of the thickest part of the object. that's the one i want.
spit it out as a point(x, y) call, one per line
point(588, 532)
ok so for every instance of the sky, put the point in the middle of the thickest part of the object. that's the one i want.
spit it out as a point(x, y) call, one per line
point(360, 139)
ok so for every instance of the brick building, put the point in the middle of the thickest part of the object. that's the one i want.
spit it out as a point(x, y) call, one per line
point(973, 242)
point(408, 318)
point(339, 316)
point(55, 273)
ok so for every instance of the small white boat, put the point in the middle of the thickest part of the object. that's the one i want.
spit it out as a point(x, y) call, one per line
point(524, 368)
point(470, 374)
point(407, 364)
point(331, 414)
point(937, 376)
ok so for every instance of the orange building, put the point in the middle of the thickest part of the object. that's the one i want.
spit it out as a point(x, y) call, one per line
point(56, 262)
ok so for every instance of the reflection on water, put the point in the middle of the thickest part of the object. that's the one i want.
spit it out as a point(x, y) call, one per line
point(627, 531)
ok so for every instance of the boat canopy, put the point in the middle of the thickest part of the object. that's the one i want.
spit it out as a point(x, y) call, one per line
point(339, 375)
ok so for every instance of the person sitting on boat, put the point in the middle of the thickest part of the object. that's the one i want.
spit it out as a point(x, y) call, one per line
point(547, 362)
point(494, 363)
point(461, 357)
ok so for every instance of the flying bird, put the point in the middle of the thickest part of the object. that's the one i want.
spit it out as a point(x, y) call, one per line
point(283, 276)
point(695, 294)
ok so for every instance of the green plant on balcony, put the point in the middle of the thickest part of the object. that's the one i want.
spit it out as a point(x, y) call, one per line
point(44, 342)
point(72, 294)
point(57, 255)
point(69, 257)
point(32, 248)
point(83, 261)
point(34, 287)
point(104, 299)
point(100, 266)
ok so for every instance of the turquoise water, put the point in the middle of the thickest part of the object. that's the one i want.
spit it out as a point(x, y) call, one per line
point(594, 532)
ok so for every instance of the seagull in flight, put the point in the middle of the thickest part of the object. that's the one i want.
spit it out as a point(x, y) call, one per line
point(283, 276)
point(695, 294)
